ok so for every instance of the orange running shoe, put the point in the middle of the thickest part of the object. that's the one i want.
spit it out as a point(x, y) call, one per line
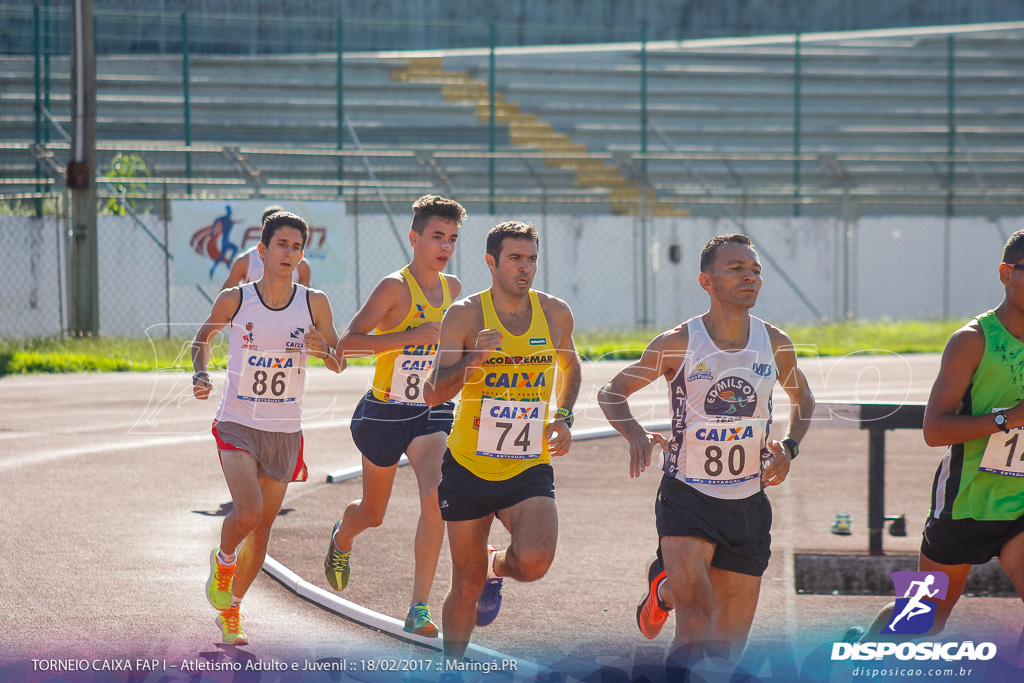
point(651, 613)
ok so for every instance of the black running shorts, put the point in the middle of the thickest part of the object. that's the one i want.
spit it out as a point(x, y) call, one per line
point(382, 431)
point(967, 541)
point(740, 529)
point(463, 496)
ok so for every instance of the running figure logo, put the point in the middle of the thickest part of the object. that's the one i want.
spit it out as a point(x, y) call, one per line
point(912, 614)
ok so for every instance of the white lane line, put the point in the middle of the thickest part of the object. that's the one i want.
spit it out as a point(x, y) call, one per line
point(296, 584)
point(129, 445)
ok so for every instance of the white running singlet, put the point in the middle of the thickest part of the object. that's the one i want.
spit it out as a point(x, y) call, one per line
point(267, 362)
point(721, 413)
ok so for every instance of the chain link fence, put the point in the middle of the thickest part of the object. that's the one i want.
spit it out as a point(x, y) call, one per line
point(616, 272)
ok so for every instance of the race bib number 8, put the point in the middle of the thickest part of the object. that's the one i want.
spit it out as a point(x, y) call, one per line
point(407, 379)
point(1004, 453)
point(270, 378)
point(723, 452)
point(511, 429)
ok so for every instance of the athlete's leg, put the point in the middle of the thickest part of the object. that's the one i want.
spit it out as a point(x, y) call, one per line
point(368, 511)
point(735, 601)
point(957, 574)
point(1011, 556)
point(468, 542)
point(688, 590)
point(242, 476)
point(424, 453)
point(254, 548)
point(533, 525)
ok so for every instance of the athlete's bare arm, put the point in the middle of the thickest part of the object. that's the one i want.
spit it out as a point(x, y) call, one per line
point(567, 374)
point(662, 358)
point(960, 359)
point(223, 309)
point(464, 346)
point(794, 382)
point(236, 275)
point(304, 272)
point(322, 339)
point(387, 306)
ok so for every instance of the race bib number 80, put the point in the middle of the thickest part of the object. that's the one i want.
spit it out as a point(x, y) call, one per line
point(270, 377)
point(1004, 453)
point(511, 429)
point(723, 452)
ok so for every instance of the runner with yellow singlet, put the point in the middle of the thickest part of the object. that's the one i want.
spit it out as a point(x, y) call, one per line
point(500, 421)
point(507, 349)
point(399, 323)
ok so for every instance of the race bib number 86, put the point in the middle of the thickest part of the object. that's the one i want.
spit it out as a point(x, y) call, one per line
point(408, 378)
point(270, 377)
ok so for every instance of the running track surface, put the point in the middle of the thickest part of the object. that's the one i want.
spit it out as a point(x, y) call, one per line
point(112, 498)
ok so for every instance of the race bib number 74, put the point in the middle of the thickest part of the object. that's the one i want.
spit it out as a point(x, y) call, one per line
point(511, 429)
point(1004, 453)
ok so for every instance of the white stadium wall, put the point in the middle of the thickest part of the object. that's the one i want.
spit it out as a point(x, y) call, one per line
point(883, 268)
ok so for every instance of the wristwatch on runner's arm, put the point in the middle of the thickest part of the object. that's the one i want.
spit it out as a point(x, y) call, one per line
point(567, 414)
point(794, 448)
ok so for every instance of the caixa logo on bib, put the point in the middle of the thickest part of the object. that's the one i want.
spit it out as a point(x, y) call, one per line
point(732, 396)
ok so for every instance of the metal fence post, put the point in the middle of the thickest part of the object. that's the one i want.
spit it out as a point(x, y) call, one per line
point(643, 99)
point(46, 66)
point(167, 258)
point(796, 125)
point(341, 109)
point(38, 80)
point(950, 120)
point(188, 109)
point(490, 127)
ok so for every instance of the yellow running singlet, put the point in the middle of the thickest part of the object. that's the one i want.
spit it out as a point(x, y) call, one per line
point(400, 373)
point(500, 421)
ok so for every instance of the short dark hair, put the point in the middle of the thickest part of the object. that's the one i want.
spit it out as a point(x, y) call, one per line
point(510, 230)
point(270, 211)
point(707, 256)
point(1013, 252)
point(430, 205)
point(283, 219)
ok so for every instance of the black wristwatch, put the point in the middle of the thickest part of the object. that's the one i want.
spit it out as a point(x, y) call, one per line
point(794, 448)
point(567, 414)
point(1000, 418)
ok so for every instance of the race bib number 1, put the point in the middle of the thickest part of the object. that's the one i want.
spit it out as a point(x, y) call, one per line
point(270, 378)
point(1004, 453)
point(407, 379)
point(723, 452)
point(511, 429)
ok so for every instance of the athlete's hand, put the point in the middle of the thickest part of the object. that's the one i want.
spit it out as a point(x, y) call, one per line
point(315, 343)
point(426, 334)
point(559, 437)
point(641, 447)
point(486, 341)
point(201, 386)
point(778, 469)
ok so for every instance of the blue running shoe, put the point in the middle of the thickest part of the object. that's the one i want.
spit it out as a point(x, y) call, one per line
point(489, 604)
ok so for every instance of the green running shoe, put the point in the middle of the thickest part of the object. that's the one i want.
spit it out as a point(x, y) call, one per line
point(230, 622)
point(336, 565)
point(218, 588)
point(418, 621)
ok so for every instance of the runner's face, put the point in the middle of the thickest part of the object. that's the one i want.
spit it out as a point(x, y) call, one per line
point(735, 276)
point(516, 265)
point(436, 246)
point(284, 253)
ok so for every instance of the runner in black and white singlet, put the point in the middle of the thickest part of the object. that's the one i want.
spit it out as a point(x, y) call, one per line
point(399, 324)
point(274, 326)
point(713, 518)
